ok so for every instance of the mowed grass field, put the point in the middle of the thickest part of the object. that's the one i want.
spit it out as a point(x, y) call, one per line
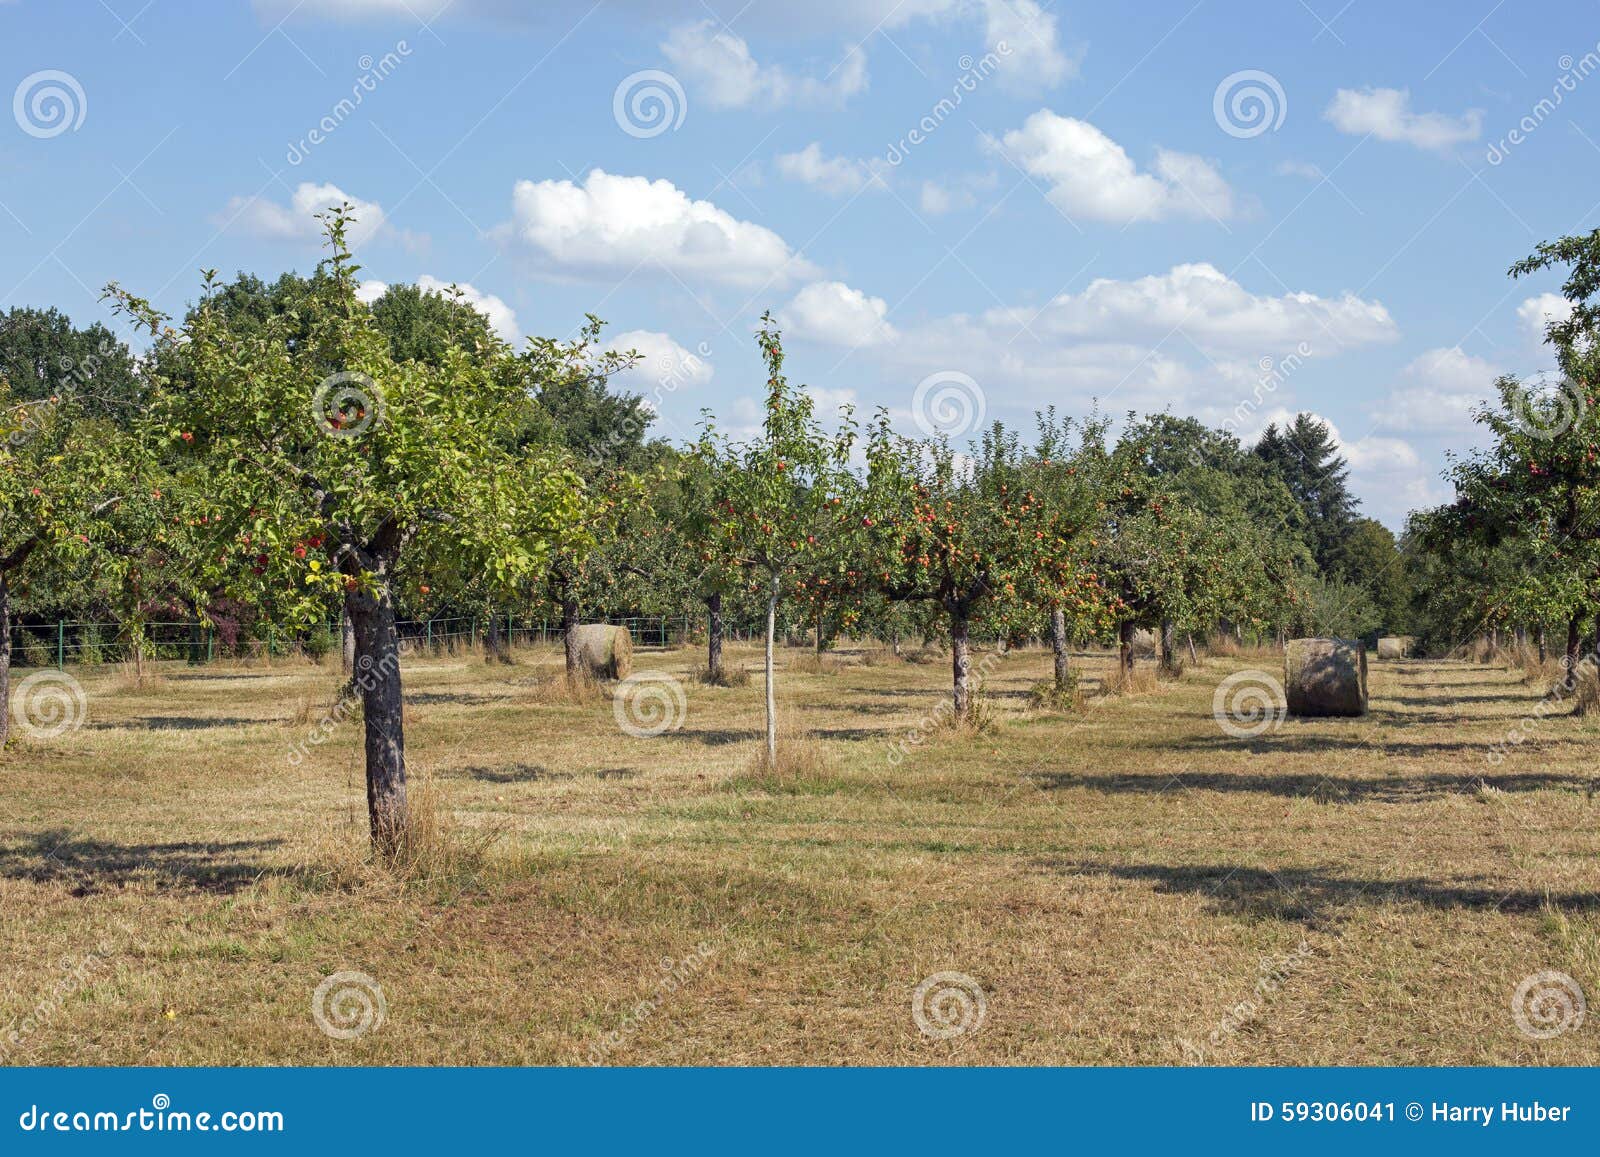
point(1117, 880)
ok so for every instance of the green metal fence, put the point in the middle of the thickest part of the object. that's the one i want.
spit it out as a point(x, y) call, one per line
point(64, 642)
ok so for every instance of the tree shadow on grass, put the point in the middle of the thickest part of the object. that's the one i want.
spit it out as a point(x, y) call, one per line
point(95, 865)
point(176, 723)
point(1318, 898)
point(512, 773)
point(1322, 788)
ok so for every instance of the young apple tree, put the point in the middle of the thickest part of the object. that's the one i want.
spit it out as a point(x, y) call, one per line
point(779, 501)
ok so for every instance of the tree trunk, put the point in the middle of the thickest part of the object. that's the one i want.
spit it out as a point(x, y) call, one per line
point(819, 634)
point(1574, 649)
point(1058, 645)
point(1539, 639)
point(1194, 656)
point(495, 639)
point(960, 666)
point(137, 634)
point(347, 644)
point(714, 635)
point(772, 699)
point(1167, 663)
point(5, 658)
point(377, 678)
point(569, 634)
point(1125, 647)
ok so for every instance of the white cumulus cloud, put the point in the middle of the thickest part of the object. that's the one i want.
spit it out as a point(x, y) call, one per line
point(1437, 392)
point(832, 312)
point(613, 225)
point(1386, 114)
point(1536, 313)
point(1034, 59)
point(836, 176)
point(664, 363)
point(297, 221)
point(717, 67)
point(1090, 175)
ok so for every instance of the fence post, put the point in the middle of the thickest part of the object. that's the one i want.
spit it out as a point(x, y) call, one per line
point(61, 645)
point(271, 634)
point(430, 636)
point(211, 643)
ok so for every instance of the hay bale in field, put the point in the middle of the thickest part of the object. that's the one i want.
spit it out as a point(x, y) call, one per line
point(605, 651)
point(1396, 646)
point(1325, 676)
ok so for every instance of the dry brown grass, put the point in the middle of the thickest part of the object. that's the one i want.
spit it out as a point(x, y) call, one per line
point(1142, 679)
point(815, 664)
point(1112, 878)
point(727, 675)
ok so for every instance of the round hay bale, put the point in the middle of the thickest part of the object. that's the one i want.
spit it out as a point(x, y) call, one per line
point(605, 651)
point(1395, 646)
point(1325, 676)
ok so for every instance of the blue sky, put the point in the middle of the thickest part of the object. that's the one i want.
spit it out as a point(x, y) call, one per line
point(1096, 216)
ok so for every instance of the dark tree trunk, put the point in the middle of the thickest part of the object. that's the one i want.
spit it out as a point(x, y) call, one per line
point(377, 677)
point(1125, 647)
point(1058, 645)
point(495, 638)
point(5, 658)
point(819, 634)
point(960, 665)
point(569, 633)
point(1167, 661)
point(1539, 640)
point(1574, 648)
point(714, 635)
